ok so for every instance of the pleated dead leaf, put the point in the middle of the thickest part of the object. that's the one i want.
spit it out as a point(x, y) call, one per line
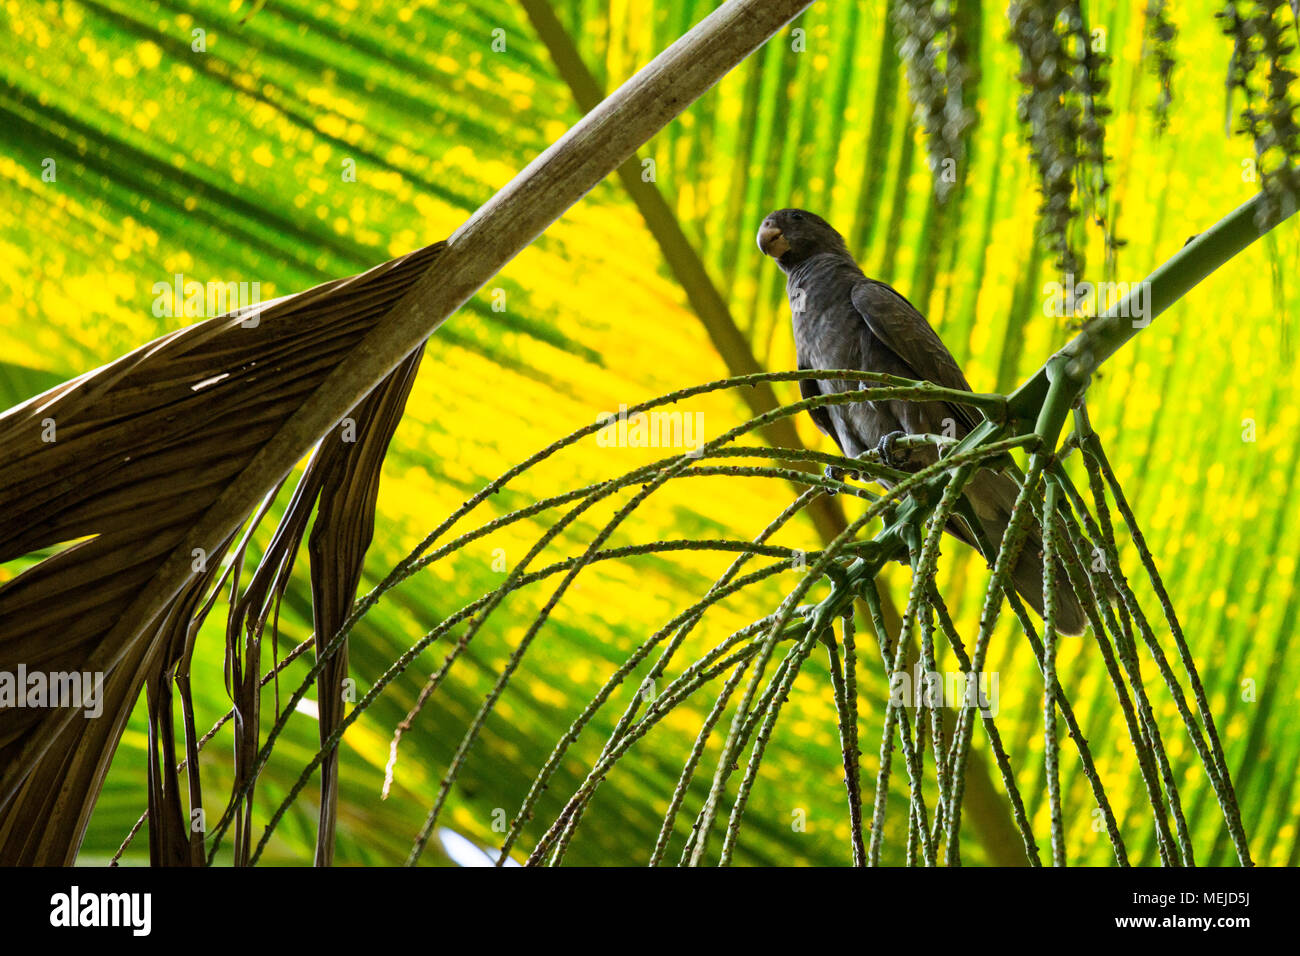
point(123, 462)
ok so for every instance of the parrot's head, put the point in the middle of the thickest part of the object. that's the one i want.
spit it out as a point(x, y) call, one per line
point(792, 235)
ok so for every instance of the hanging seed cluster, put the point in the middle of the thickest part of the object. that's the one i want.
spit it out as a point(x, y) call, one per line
point(938, 76)
point(1261, 38)
point(1090, 75)
point(1160, 46)
point(1063, 79)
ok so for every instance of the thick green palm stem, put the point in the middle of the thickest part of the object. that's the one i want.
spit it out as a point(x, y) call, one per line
point(1103, 336)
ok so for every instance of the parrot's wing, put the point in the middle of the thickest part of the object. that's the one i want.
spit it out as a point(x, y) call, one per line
point(905, 332)
point(821, 416)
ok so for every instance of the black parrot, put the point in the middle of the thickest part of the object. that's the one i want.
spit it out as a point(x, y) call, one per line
point(842, 319)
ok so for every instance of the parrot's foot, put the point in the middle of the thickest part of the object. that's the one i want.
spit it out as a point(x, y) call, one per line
point(889, 455)
point(838, 474)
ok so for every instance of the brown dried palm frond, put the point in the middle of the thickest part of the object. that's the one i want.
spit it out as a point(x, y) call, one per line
point(123, 461)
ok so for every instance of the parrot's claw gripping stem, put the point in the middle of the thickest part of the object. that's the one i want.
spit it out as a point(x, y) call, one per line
point(833, 474)
point(889, 456)
point(838, 474)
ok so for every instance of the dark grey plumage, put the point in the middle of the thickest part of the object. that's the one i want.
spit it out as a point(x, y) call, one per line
point(842, 319)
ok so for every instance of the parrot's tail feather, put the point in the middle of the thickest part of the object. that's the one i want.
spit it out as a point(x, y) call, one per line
point(992, 495)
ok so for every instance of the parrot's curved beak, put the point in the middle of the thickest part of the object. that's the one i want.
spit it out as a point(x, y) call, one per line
point(771, 241)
